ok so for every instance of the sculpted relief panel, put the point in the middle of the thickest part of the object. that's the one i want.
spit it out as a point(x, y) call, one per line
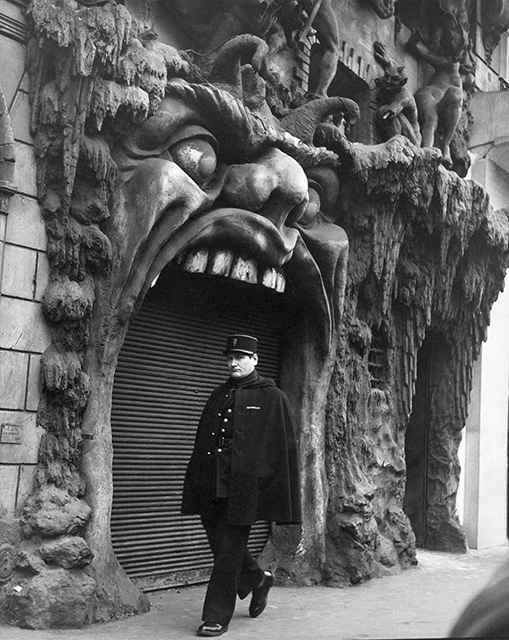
point(148, 154)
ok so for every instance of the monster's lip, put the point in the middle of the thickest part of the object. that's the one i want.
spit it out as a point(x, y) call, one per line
point(240, 245)
point(246, 230)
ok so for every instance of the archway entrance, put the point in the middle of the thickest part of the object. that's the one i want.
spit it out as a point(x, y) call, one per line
point(431, 447)
point(169, 363)
point(416, 448)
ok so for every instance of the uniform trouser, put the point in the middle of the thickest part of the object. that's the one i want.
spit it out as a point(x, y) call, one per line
point(235, 571)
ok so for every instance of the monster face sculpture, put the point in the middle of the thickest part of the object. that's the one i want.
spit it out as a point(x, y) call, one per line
point(208, 183)
point(227, 190)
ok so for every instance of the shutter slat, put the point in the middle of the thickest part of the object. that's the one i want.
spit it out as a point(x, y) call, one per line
point(170, 362)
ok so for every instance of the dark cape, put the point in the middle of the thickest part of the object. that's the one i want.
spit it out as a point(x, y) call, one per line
point(265, 483)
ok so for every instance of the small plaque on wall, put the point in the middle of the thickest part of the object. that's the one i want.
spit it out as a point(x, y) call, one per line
point(11, 434)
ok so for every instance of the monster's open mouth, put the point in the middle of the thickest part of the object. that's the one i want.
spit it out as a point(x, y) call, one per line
point(257, 248)
point(245, 246)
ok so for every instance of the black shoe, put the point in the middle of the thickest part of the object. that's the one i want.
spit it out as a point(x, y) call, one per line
point(211, 629)
point(261, 595)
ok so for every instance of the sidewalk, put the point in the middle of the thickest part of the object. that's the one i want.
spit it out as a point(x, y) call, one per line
point(418, 603)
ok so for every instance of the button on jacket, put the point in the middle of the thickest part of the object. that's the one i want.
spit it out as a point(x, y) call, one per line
point(264, 481)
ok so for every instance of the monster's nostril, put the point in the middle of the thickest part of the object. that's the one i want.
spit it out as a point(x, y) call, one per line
point(311, 211)
point(296, 213)
point(306, 211)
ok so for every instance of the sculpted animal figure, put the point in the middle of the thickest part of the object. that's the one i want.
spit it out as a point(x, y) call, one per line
point(397, 113)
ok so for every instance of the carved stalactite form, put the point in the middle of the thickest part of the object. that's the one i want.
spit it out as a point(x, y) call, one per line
point(431, 270)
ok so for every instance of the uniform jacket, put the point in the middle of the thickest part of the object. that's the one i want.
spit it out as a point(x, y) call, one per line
point(264, 469)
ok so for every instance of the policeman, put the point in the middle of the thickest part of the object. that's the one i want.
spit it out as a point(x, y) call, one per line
point(244, 468)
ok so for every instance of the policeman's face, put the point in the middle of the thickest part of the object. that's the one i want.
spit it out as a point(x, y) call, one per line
point(241, 365)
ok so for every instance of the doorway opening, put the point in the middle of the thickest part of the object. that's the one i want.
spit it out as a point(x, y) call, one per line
point(170, 362)
point(417, 435)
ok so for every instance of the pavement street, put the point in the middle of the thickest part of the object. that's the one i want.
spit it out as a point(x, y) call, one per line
point(421, 602)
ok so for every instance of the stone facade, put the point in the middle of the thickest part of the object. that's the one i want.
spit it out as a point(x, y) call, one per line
point(24, 276)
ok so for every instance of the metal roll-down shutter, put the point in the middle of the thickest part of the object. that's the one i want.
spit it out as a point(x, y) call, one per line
point(170, 362)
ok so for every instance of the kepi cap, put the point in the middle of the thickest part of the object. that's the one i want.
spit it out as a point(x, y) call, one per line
point(241, 343)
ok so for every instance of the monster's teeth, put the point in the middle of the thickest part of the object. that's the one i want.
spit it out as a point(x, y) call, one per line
point(196, 261)
point(225, 263)
point(245, 270)
point(220, 263)
point(274, 279)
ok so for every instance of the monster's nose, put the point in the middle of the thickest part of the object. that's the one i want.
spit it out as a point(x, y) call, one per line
point(275, 186)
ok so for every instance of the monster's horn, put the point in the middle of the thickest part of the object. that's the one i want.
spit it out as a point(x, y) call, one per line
point(226, 69)
point(302, 122)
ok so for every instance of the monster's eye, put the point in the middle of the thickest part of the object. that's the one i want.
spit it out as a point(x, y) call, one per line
point(196, 157)
point(309, 215)
point(194, 150)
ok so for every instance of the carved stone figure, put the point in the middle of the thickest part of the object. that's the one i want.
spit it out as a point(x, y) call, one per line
point(439, 103)
point(324, 21)
point(397, 113)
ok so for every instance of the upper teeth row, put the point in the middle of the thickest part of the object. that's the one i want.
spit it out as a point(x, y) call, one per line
point(225, 263)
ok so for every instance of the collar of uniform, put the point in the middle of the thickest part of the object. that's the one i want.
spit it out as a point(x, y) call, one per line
point(247, 381)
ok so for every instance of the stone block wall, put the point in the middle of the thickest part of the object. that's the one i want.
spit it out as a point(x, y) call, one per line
point(23, 278)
